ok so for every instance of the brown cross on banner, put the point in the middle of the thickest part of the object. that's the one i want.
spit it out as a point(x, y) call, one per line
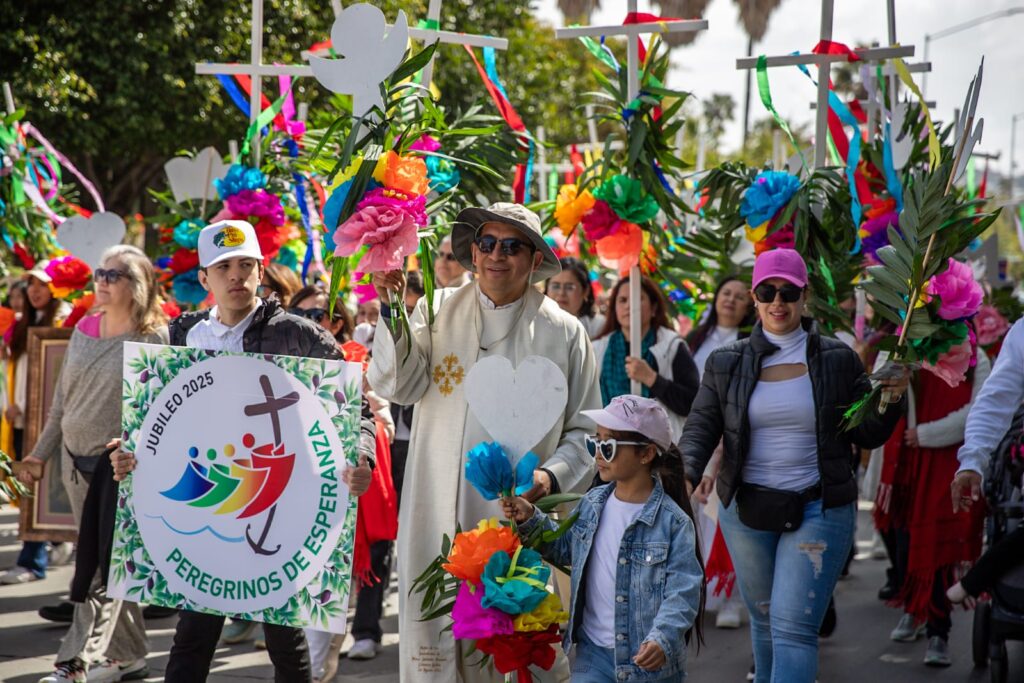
point(272, 406)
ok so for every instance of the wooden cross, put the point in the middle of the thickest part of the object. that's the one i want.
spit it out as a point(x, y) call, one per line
point(824, 63)
point(256, 70)
point(272, 406)
point(632, 32)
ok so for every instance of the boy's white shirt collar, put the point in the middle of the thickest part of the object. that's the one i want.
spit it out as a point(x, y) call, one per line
point(220, 329)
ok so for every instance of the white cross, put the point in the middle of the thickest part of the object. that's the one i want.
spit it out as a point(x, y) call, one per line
point(256, 70)
point(824, 63)
point(632, 32)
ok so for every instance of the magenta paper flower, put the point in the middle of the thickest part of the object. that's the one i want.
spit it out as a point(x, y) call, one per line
point(960, 295)
point(426, 144)
point(600, 221)
point(472, 621)
point(384, 197)
point(258, 203)
point(991, 325)
point(390, 234)
point(952, 366)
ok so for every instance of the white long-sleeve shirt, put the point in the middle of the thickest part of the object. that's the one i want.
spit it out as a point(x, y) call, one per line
point(995, 406)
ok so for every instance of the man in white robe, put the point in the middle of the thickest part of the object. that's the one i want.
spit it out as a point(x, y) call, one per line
point(500, 314)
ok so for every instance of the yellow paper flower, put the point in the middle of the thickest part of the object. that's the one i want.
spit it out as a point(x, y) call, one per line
point(347, 174)
point(570, 207)
point(549, 612)
point(755, 235)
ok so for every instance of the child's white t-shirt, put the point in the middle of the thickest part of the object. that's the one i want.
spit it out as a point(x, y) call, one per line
point(599, 609)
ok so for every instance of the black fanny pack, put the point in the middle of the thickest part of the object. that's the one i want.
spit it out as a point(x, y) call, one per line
point(86, 464)
point(766, 509)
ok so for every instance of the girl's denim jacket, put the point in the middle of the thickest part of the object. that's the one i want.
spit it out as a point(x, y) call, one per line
point(657, 585)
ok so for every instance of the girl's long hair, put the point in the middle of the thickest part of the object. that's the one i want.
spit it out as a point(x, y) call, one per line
point(19, 336)
point(700, 333)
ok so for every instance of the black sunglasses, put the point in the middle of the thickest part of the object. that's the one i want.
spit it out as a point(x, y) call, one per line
point(510, 246)
point(314, 314)
point(110, 276)
point(765, 293)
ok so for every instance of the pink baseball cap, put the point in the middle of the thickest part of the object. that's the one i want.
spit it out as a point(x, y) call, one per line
point(630, 413)
point(784, 263)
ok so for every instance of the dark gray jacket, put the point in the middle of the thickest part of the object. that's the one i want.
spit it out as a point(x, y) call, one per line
point(720, 412)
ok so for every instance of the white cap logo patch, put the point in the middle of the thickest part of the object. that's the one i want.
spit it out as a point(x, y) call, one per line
point(228, 239)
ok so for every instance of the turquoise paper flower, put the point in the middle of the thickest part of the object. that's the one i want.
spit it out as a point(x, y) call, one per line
point(239, 178)
point(186, 233)
point(517, 584)
point(770, 191)
point(490, 472)
point(442, 173)
point(187, 288)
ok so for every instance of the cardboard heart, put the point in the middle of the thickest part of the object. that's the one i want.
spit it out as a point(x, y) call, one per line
point(193, 178)
point(88, 238)
point(517, 406)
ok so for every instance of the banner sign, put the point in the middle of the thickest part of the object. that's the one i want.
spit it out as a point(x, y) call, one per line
point(237, 505)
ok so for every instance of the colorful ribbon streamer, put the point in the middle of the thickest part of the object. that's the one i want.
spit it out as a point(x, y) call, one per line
point(30, 130)
point(765, 92)
point(934, 151)
point(264, 119)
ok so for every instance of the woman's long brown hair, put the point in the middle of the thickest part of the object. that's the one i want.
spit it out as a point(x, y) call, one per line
point(659, 307)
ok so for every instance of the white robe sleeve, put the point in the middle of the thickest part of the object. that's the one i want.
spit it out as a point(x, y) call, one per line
point(571, 465)
point(949, 430)
point(398, 373)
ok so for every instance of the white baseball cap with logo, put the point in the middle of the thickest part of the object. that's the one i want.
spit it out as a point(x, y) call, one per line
point(227, 239)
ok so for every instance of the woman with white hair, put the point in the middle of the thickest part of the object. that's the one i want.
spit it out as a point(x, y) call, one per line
point(107, 638)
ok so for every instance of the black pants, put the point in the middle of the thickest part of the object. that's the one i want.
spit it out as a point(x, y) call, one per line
point(999, 559)
point(897, 544)
point(196, 639)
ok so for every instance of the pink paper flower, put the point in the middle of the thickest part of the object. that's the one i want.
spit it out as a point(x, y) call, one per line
point(426, 144)
point(600, 221)
point(960, 295)
point(256, 203)
point(471, 620)
point(385, 197)
point(991, 325)
point(390, 234)
point(953, 365)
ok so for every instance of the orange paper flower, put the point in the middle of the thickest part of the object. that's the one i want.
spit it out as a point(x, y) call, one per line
point(407, 174)
point(472, 549)
point(7, 319)
point(622, 249)
point(570, 207)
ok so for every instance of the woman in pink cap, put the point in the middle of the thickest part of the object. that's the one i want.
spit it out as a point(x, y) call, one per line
point(637, 579)
point(786, 483)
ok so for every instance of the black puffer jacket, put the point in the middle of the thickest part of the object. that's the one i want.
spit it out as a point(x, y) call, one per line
point(720, 410)
point(272, 330)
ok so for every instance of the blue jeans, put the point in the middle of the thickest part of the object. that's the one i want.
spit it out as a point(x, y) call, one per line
point(786, 580)
point(596, 664)
point(33, 557)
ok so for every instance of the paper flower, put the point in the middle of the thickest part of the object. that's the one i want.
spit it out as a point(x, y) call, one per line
point(627, 198)
point(874, 233)
point(186, 233)
point(783, 238)
point(415, 206)
point(407, 174)
point(239, 178)
point(256, 204)
point(443, 174)
point(952, 366)
point(959, 294)
point(621, 249)
point(7, 319)
point(390, 234)
point(519, 651)
point(548, 613)
point(182, 260)
point(365, 292)
point(930, 348)
point(472, 549)
point(600, 221)
point(171, 309)
point(571, 206)
point(425, 143)
point(770, 191)
point(187, 289)
point(490, 472)
point(515, 584)
point(344, 176)
point(990, 324)
point(82, 306)
point(471, 620)
point(68, 275)
point(335, 203)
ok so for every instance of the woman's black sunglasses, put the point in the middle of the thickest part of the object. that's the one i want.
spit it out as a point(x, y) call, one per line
point(110, 276)
point(510, 246)
point(314, 314)
point(765, 293)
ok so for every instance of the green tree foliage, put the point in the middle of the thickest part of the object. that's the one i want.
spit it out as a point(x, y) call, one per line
point(114, 83)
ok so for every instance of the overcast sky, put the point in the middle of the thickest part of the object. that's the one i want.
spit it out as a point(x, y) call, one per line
point(709, 64)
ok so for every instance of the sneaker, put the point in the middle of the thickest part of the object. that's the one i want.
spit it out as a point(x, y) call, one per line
point(62, 612)
point(889, 590)
point(956, 593)
point(238, 631)
point(60, 554)
point(71, 671)
point(907, 630)
point(751, 675)
point(730, 615)
point(17, 575)
point(113, 670)
point(937, 653)
point(366, 648)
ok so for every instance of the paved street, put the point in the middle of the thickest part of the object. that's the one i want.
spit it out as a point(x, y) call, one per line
point(860, 650)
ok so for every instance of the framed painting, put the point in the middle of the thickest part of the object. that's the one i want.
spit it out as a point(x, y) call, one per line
point(48, 517)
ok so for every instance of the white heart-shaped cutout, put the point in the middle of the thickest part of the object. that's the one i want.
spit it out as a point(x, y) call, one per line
point(193, 178)
point(517, 406)
point(88, 238)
